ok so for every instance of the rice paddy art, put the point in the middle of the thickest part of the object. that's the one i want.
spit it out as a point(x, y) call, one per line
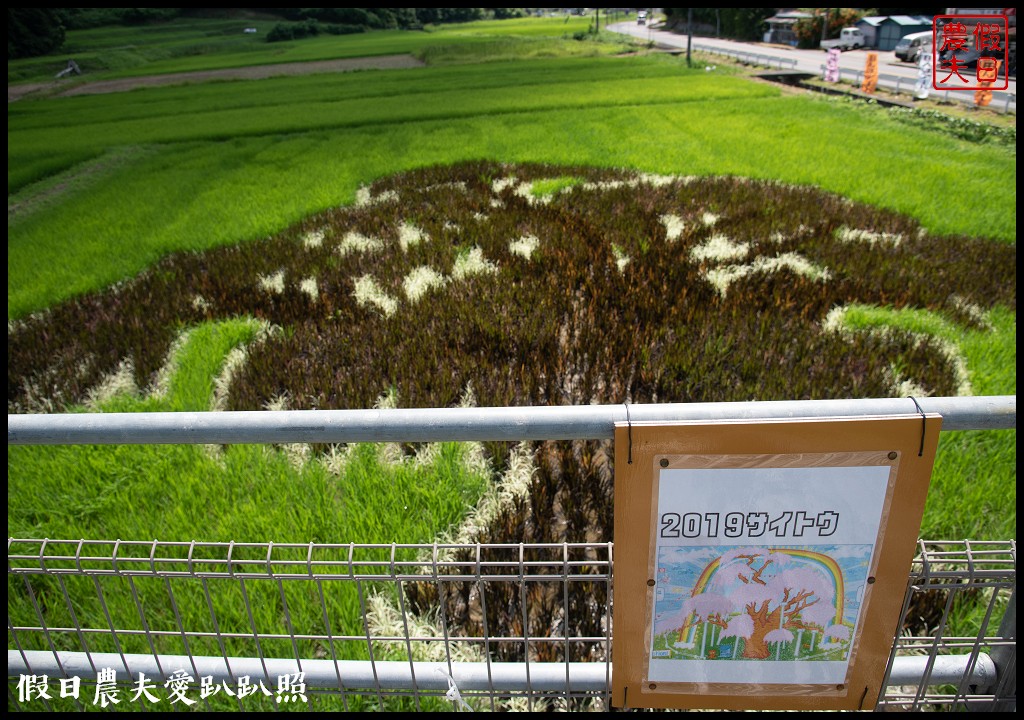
point(620, 286)
point(617, 286)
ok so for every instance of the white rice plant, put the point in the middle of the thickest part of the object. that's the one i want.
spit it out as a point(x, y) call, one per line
point(273, 283)
point(500, 184)
point(975, 312)
point(608, 184)
point(674, 226)
point(365, 197)
point(722, 277)
point(472, 262)
point(836, 322)
point(234, 361)
point(621, 258)
point(369, 294)
point(119, 382)
point(661, 180)
point(420, 281)
point(524, 246)
point(309, 286)
point(409, 236)
point(719, 248)
point(313, 239)
point(868, 237)
point(355, 242)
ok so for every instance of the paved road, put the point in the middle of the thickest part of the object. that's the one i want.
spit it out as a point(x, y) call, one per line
point(811, 61)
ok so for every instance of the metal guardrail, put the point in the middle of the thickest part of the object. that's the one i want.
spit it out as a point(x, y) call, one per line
point(896, 83)
point(748, 58)
point(218, 625)
point(583, 422)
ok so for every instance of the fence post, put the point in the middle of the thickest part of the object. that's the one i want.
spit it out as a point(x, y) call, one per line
point(1005, 659)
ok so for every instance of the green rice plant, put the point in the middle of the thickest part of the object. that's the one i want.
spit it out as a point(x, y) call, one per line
point(963, 488)
point(187, 45)
point(725, 296)
point(488, 50)
point(642, 287)
point(235, 493)
point(553, 185)
point(203, 190)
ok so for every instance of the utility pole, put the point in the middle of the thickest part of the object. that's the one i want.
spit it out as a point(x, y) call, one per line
point(824, 25)
point(689, 35)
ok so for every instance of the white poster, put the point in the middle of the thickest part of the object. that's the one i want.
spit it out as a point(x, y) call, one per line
point(924, 76)
point(761, 572)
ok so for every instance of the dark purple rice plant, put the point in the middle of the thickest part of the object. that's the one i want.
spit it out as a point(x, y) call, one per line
point(620, 287)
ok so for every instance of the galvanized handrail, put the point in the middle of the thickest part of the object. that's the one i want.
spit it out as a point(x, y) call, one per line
point(972, 673)
point(747, 57)
point(595, 422)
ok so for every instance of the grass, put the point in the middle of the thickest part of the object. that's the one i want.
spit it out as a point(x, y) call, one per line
point(934, 103)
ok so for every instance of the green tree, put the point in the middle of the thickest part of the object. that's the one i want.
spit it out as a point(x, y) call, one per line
point(33, 31)
point(732, 22)
point(808, 30)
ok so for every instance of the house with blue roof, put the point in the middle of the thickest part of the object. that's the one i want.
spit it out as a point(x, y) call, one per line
point(869, 26)
point(893, 27)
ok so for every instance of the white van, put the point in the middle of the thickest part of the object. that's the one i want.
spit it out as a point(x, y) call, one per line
point(911, 46)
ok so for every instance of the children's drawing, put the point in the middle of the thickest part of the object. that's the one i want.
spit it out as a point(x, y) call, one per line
point(758, 603)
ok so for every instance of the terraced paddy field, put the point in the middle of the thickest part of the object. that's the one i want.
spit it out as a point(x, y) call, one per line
point(549, 231)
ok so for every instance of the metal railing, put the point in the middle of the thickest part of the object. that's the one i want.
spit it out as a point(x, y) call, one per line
point(748, 58)
point(160, 625)
point(897, 84)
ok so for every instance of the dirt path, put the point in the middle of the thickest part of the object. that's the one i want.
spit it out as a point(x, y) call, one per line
point(383, 62)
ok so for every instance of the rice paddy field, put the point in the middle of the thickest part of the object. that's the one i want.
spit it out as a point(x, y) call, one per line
point(527, 219)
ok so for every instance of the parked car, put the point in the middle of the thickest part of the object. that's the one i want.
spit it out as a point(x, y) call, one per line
point(910, 47)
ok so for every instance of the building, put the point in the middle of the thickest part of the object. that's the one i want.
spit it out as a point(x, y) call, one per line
point(869, 26)
point(780, 27)
point(893, 27)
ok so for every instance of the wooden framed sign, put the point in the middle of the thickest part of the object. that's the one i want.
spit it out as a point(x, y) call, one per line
point(763, 565)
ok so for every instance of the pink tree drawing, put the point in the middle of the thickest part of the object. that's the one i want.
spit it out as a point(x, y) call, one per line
point(764, 597)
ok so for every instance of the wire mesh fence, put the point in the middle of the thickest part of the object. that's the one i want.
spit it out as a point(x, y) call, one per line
point(153, 625)
point(955, 586)
point(265, 626)
point(384, 627)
